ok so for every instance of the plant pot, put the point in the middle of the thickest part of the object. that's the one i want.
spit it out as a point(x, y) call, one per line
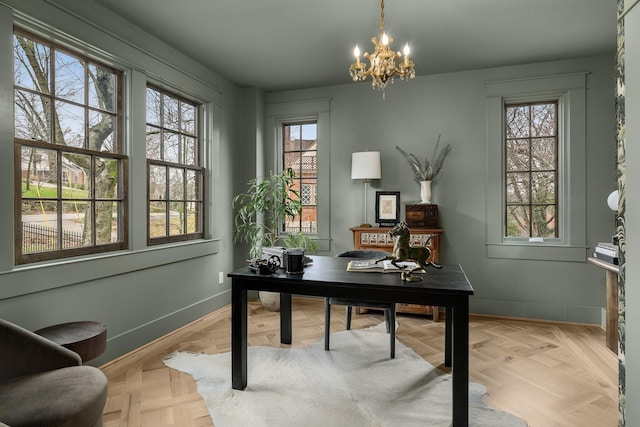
point(270, 300)
point(425, 192)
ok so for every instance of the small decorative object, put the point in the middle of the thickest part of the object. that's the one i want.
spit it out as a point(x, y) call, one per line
point(264, 266)
point(403, 251)
point(421, 215)
point(387, 208)
point(426, 172)
point(278, 251)
point(408, 276)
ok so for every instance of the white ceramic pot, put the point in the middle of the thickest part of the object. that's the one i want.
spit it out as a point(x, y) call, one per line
point(425, 192)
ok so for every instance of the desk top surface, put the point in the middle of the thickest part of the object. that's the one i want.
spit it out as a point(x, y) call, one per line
point(331, 270)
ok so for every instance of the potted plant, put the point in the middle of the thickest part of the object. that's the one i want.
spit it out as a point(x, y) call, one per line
point(262, 211)
point(425, 173)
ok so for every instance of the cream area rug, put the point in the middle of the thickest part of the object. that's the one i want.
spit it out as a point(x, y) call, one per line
point(355, 384)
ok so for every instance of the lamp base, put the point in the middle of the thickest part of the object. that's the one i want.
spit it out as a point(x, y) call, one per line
point(365, 225)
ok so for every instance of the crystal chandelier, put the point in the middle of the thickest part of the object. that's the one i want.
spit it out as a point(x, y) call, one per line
point(383, 67)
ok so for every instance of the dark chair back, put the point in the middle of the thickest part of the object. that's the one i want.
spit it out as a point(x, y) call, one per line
point(364, 254)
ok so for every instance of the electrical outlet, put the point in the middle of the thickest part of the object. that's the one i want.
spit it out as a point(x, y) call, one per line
point(220, 278)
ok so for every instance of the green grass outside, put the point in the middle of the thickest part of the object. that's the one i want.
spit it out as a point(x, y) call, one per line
point(51, 192)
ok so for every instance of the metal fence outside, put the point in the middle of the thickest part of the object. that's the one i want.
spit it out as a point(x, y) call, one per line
point(304, 227)
point(40, 238)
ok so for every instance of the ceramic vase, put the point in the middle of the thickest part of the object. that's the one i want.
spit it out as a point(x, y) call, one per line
point(425, 192)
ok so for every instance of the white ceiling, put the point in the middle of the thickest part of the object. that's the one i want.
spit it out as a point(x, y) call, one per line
point(291, 44)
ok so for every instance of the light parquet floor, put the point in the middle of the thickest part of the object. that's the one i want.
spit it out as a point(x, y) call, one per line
point(551, 375)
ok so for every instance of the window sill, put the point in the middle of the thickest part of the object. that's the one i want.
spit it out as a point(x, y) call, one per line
point(538, 252)
point(34, 278)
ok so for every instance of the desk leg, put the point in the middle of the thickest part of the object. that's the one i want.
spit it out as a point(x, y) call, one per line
point(461, 363)
point(447, 337)
point(285, 318)
point(238, 337)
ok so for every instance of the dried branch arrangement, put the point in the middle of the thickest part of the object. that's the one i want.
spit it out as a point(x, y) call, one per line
point(428, 170)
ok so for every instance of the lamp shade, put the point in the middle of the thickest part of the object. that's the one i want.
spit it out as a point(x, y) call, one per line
point(365, 165)
point(612, 200)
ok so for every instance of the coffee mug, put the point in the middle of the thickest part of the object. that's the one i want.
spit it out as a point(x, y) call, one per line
point(295, 261)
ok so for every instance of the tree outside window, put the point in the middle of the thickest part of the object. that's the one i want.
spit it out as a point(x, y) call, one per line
point(531, 169)
point(175, 175)
point(67, 121)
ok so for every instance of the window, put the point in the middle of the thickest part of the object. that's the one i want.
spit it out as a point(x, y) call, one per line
point(531, 169)
point(175, 175)
point(300, 153)
point(536, 168)
point(71, 197)
point(308, 194)
point(306, 121)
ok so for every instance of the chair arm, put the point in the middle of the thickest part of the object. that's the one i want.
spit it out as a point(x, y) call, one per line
point(23, 352)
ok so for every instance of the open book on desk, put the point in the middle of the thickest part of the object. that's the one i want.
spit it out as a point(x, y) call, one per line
point(371, 266)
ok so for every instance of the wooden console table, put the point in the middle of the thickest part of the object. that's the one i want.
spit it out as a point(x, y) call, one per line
point(612, 283)
point(377, 238)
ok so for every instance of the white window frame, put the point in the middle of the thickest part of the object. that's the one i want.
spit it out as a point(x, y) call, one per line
point(570, 91)
point(319, 110)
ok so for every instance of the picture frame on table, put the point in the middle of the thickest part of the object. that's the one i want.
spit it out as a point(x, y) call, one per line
point(387, 208)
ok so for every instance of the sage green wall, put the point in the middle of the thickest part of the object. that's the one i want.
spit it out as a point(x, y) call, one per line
point(453, 105)
point(141, 293)
point(248, 156)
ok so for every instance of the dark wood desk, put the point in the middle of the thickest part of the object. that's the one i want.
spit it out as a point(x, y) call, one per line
point(327, 276)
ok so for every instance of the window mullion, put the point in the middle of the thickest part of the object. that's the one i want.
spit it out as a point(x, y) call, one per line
point(300, 168)
point(93, 199)
point(52, 91)
point(86, 103)
point(530, 147)
point(60, 205)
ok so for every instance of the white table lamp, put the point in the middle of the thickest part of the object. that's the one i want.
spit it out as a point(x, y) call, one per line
point(365, 166)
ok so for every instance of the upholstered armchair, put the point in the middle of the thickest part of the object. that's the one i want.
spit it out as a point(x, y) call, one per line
point(45, 384)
